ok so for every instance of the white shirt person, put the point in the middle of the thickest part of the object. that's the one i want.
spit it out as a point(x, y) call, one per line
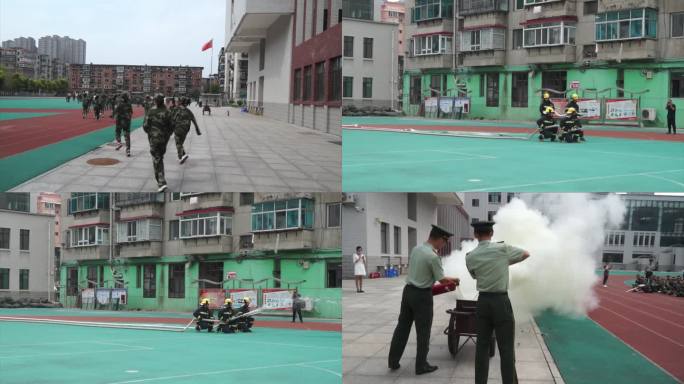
point(359, 268)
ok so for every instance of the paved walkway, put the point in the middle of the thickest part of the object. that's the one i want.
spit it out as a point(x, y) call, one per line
point(369, 320)
point(237, 153)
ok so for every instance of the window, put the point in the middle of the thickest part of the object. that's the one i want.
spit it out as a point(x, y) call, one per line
point(517, 38)
point(677, 24)
point(246, 198)
point(325, 19)
point(4, 278)
point(492, 89)
point(262, 54)
point(334, 215)
point(139, 230)
point(297, 86)
point(367, 87)
point(367, 48)
point(435, 85)
point(89, 236)
point(556, 80)
point(548, 34)
point(246, 242)
point(412, 238)
point(620, 82)
point(348, 87)
point(138, 276)
point(175, 196)
point(609, 257)
point(4, 238)
point(590, 7)
point(72, 282)
point(334, 272)
point(283, 215)
point(510, 197)
point(357, 9)
point(476, 203)
point(415, 92)
point(92, 277)
point(483, 39)
point(519, 89)
point(349, 46)
point(335, 78)
point(149, 280)
point(589, 51)
point(174, 230)
point(384, 238)
point(490, 215)
point(177, 280)
point(494, 198)
point(431, 45)
point(676, 89)
point(627, 24)
point(432, 9)
point(84, 202)
point(307, 83)
point(519, 4)
point(473, 38)
point(206, 225)
point(397, 240)
point(23, 279)
point(15, 201)
point(319, 82)
point(412, 206)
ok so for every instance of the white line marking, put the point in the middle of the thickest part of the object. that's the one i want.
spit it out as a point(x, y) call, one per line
point(646, 328)
point(574, 180)
point(123, 345)
point(666, 179)
point(225, 371)
point(75, 353)
point(477, 157)
point(646, 304)
point(644, 312)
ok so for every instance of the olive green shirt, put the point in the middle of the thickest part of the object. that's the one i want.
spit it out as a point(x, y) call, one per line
point(424, 267)
point(488, 264)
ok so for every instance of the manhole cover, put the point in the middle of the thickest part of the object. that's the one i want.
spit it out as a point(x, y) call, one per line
point(103, 162)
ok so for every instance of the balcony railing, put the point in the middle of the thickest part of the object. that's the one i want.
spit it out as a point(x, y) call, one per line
point(84, 202)
point(127, 199)
point(474, 7)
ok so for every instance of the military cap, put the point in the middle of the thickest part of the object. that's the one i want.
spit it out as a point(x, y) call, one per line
point(482, 226)
point(438, 231)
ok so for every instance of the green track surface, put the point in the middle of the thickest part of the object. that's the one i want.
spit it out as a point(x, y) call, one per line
point(388, 161)
point(38, 103)
point(47, 353)
point(586, 353)
point(23, 115)
point(24, 166)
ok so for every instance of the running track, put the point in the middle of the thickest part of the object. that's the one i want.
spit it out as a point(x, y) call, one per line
point(636, 135)
point(651, 323)
point(309, 325)
point(20, 135)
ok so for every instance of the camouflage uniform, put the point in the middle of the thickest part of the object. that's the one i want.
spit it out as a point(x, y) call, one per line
point(183, 117)
point(123, 114)
point(159, 127)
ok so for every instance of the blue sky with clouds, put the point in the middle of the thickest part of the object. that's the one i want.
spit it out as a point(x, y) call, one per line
point(153, 32)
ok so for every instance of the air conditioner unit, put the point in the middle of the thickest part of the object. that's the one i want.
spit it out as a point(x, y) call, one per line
point(648, 114)
point(348, 198)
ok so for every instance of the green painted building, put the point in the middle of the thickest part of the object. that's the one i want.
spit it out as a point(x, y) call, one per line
point(166, 248)
point(508, 51)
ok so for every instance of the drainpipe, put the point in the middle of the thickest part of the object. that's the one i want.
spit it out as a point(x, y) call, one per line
point(51, 255)
point(455, 36)
point(393, 80)
point(111, 229)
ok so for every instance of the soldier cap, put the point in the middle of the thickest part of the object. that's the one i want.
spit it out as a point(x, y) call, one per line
point(439, 232)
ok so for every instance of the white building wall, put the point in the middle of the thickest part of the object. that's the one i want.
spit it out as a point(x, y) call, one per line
point(381, 68)
point(38, 259)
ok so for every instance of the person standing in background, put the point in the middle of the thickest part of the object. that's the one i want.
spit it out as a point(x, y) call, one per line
point(359, 268)
point(606, 273)
point(297, 304)
point(671, 112)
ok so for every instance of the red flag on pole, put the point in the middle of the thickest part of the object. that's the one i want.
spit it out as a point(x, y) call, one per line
point(209, 44)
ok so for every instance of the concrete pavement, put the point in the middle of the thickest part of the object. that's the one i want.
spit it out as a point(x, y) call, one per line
point(368, 323)
point(237, 153)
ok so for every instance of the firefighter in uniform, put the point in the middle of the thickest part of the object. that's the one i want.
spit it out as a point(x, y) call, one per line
point(488, 264)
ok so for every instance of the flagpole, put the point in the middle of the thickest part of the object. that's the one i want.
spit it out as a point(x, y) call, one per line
point(211, 71)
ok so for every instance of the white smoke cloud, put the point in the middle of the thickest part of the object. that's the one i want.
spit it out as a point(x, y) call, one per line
point(564, 234)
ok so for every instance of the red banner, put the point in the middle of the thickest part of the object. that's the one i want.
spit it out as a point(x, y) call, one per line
point(216, 296)
point(208, 45)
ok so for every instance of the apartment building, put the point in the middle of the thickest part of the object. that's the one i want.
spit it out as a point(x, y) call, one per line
point(65, 49)
point(167, 249)
point(26, 252)
point(502, 53)
point(293, 52)
point(389, 225)
point(167, 80)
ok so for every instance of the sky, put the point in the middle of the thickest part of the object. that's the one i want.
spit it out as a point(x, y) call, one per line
point(135, 32)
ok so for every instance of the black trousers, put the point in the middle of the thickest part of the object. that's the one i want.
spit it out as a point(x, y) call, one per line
point(416, 306)
point(605, 279)
point(671, 125)
point(495, 314)
point(297, 311)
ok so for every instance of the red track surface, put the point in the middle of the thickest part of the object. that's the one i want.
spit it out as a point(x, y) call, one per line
point(651, 323)
point(311, 326)
point(20, 135)
point(588, 132)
